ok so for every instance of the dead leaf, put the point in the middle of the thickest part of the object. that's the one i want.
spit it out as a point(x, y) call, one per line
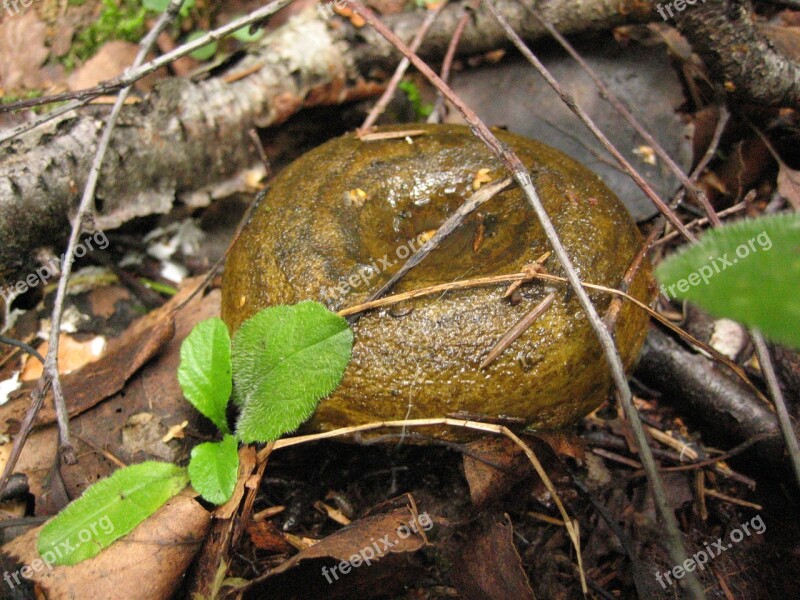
point(266, 536)
point(99, 380)
point(110, 61)
point(492, 467)
point(22, 52)
point(489, 567)
point(789, 185)
point(347, 562)
point(72, 355)
point(148, 563)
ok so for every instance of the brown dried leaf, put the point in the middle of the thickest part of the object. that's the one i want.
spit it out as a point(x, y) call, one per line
point(266, 536)
point(22, 52)
point(492, 467)
point(304, 571)
point(110, 61)
point(489, 567)
point(148, 563)
point(789, 185)
point(98, 380)
point(72, 355)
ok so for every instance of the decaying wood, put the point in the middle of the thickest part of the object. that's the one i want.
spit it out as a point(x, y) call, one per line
point(188, 141)
point(752, 69)
point(731, 410)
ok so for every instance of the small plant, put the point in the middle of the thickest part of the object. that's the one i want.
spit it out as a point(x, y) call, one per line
point(281, 362)
point(117, 21)
point(748, 271)
point(421, 109)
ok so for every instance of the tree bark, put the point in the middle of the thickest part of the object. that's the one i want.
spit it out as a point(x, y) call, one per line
point(189, 141)
point(726, 410)
point(724, 34)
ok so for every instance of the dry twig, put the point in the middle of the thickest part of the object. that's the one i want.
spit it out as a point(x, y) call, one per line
point(50, 375)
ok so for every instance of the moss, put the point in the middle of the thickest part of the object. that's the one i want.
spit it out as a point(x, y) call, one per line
point(315, 235)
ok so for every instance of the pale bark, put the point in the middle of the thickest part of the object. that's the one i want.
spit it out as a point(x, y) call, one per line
point(189, 142)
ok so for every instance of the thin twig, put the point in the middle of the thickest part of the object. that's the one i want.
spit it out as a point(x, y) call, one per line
point(626, 114)
point(10, 134)
point(673, 540)
point(523, 178)
point(22, 346)
point(133, 75)
point(484, 194)
point(589, 123)
point(400, 71)
point(700, 222)
point(515, 166)
point(50, 375)
point(774, 387)
point(437, 114)
point(518, 329)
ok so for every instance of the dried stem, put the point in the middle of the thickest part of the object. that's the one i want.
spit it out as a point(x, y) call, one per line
point(401, 69)
point(520, 173)
point(784, 420)
point(626, 114)
point(50, 375)
point(518, 329)
point(143, 69)
point(437, 114)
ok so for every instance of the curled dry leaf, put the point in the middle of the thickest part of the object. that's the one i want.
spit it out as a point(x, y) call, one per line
point(789, 185)
point(489, 567)
point(157, 552)
point(306, 571)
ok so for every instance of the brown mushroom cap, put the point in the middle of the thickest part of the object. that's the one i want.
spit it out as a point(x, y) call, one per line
point(337, 223)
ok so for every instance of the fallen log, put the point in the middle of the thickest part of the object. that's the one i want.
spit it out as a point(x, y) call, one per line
point(188, 142)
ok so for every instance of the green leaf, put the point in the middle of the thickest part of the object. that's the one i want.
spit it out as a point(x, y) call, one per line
point(156, 5)
point(244, 35)
point(108, 510)
point(214, 468)
point(204, 52)
point(748, 271)
point(205, 370)
point(285, 358)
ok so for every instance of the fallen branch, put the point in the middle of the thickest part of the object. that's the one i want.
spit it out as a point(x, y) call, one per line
point(693, 382)
point(724, 34)
point(188, 141)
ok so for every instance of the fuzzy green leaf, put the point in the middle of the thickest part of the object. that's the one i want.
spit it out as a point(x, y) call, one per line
point(213, 469)
point(245, 36)
point(108, 510)
point(285, 359)
point(748, 271)
point(205, 370)
point(203, 52)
